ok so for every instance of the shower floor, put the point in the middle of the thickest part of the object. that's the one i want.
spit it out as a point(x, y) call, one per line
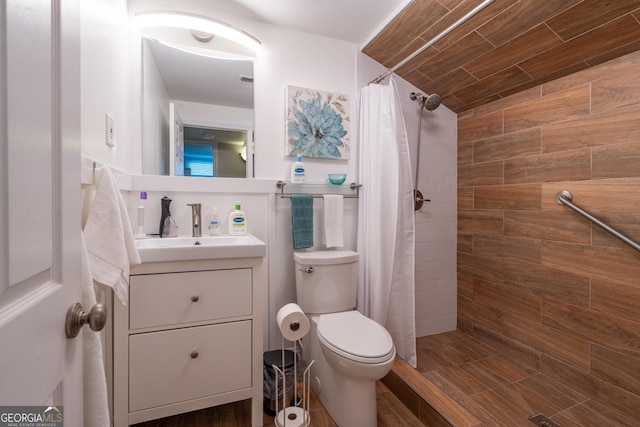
point(472, 384)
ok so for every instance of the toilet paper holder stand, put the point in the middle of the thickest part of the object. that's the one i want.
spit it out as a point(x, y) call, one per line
point(292, 416)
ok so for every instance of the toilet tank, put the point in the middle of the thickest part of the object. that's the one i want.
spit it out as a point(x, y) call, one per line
point(326, 281)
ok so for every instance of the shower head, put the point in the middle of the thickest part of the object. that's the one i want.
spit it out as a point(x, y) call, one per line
point(432, 102)
point(429, 102)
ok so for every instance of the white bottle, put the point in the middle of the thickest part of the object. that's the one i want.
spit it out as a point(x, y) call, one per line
point(214, 225)
point(298, 170)
point(237, 222)
point(140, 232)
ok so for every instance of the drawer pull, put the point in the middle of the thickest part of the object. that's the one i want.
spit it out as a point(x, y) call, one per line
point(194, 354)
point(195, 298)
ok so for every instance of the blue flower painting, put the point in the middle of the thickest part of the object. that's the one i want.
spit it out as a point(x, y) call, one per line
point(317, 123)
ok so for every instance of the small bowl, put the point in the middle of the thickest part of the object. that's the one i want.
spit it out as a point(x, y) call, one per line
point(337, 178)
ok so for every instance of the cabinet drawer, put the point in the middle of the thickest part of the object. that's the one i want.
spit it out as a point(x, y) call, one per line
point(176, 298)
point(162, 370)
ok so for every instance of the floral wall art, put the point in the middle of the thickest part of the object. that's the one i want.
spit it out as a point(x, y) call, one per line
point(317, 123)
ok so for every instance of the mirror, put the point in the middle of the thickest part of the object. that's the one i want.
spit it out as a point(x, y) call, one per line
point(197, 107)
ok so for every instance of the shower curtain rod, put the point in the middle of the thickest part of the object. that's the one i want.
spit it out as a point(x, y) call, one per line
point(433, 41)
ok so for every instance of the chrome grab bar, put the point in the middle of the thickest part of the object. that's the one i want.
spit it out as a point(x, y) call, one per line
point(564, 197)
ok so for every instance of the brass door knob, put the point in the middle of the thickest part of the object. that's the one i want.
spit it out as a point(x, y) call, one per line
point(96, 318)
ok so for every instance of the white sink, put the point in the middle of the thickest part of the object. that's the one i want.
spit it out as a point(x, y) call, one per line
point(156, 249)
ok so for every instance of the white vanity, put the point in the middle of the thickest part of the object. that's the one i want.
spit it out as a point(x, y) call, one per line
point(191, 334)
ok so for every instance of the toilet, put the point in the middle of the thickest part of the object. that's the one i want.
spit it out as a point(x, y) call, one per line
point(350, 350)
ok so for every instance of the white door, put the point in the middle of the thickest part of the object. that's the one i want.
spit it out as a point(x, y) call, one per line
point(40, 204)
point(176, 138)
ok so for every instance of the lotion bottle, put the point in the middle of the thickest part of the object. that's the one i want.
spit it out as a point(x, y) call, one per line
point(237, 222)
point(298, 170)
point(214, 225)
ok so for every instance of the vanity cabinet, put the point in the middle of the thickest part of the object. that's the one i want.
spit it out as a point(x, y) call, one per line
point(189, 338)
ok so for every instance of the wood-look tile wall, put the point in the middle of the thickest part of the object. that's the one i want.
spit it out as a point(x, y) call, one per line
point(508, 47)
point(534, 277)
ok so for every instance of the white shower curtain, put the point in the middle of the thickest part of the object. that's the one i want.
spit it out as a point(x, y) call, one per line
point(386, 237)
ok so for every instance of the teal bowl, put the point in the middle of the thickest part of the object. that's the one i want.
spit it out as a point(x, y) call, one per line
point(337, 178)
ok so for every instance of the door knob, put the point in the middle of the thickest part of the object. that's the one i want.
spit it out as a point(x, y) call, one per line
point(76, 318)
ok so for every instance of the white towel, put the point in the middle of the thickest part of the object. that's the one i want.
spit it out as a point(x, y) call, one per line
point(109, 238)
point(333, 221)
point(96, 401)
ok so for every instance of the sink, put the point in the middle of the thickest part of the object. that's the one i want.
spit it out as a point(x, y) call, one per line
point(181, 248)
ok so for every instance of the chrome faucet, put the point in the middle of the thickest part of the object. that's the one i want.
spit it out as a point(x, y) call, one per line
point(196, 219)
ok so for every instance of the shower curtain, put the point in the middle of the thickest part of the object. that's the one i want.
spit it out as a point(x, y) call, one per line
point(386, 237)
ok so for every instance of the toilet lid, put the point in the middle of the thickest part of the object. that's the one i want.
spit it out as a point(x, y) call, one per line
point(355, 337)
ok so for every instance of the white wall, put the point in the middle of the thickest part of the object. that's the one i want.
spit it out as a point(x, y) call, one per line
point(105, 80)
point(287, 58)
point(299, 59)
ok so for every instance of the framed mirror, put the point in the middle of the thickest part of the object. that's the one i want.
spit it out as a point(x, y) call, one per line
point(197, 107)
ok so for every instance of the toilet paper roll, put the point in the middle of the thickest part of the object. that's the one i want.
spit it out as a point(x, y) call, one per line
point(292, 321)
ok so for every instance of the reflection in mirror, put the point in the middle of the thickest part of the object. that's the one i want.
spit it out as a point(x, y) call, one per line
point(210, 92)
point(214, 152)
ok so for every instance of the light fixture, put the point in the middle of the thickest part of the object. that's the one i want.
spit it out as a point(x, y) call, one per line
point(201, 36)
point(196, 23)
point(207, 53)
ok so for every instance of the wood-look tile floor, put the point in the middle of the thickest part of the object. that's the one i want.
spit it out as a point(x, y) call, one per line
point(501, 391)
point(391, 413)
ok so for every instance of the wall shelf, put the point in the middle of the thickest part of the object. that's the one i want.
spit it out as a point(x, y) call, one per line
point(313, 186)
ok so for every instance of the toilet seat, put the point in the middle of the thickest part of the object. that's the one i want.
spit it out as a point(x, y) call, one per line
point(355, 337)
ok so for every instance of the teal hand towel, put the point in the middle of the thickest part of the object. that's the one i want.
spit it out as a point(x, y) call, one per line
point(302, 220)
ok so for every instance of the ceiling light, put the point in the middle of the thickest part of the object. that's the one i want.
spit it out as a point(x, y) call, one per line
point(208, 53)
point(201, 36)
point(196, 23)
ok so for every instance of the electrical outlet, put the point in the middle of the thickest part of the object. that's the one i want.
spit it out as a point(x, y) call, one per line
point(110, 131)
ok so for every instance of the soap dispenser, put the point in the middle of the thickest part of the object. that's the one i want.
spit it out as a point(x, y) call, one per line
point(214, 225)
